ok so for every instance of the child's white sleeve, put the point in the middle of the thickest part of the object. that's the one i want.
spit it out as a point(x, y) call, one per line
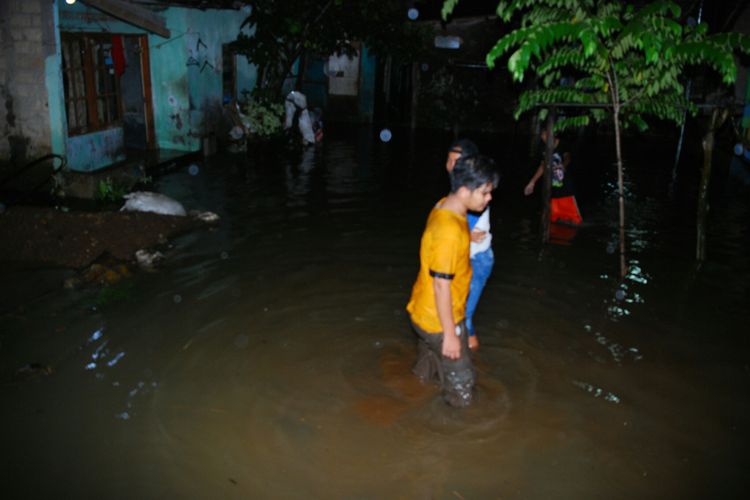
point(483, 224)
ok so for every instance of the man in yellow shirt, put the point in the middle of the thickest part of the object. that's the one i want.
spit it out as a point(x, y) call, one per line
point(438, 300)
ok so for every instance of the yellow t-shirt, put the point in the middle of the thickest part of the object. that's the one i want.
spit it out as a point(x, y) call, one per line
point(444, 251)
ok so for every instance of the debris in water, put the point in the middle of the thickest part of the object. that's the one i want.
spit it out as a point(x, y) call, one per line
point(33, 370)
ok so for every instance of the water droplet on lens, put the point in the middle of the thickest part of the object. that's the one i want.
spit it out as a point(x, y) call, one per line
point(620, 294)
point(385, 135)
point(738, 149)
point(2, 208)
point(224, 255)
point(425, 66)
point(177, 299)
point(611, 248)
point(193, 169)
point(413, 14)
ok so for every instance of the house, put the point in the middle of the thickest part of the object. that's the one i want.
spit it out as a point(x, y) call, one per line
point(93, 80)
point(96, 81)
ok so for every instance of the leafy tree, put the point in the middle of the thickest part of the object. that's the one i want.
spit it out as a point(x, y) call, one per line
point(625, 63)
point(277, 33)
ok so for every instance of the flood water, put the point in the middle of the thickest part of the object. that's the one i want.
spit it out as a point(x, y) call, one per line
point(270, 357)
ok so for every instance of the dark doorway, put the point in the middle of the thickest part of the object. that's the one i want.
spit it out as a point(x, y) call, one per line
point(135, 120)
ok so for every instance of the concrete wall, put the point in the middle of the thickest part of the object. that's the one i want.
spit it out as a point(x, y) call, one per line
point(27, 38)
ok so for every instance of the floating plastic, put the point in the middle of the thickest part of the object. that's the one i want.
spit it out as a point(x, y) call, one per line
point(146, 201)
point(298, 101)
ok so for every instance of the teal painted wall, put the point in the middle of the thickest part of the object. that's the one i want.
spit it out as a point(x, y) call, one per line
point(367, 74)
point(186, 75)
point(55, 97)
point(315, 82)
point(89, 152)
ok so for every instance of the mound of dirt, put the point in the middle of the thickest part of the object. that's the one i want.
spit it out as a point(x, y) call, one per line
point(47, 237)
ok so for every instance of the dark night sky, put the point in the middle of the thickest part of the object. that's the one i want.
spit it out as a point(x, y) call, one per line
point(719, 15)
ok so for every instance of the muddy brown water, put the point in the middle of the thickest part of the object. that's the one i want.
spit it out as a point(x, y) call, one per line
point(270, 357)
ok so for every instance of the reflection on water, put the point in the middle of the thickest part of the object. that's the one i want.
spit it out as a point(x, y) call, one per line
point(270, 357)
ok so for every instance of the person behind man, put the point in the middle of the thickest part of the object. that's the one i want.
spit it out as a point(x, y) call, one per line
point(563, 205)
point(437, 305)
point(482, 257)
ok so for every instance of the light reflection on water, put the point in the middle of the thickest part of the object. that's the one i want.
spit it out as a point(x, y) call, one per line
point(270, 356)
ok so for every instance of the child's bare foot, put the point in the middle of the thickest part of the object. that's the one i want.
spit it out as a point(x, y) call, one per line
point(473, 342)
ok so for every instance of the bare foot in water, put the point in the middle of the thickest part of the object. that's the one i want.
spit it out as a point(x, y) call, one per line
point(473, 342)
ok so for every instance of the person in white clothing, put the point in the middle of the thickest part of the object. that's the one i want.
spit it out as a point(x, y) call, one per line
point(482, 258)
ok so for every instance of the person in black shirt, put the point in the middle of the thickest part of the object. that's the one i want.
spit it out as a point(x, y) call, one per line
point(563, 205)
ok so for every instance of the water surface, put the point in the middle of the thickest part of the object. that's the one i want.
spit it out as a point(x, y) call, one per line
point(270, 356)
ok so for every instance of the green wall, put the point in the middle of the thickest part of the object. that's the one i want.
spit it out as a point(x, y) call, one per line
point(186, 75)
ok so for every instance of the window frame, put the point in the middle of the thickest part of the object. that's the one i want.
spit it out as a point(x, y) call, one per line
point(93, 76)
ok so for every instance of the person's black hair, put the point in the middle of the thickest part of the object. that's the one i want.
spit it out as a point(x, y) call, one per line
point(473, 172)
point(464, 146)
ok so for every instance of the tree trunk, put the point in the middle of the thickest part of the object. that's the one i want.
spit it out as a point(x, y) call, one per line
point(547, 177)
point(717, 119)
point(673, 182)
point(621, 192)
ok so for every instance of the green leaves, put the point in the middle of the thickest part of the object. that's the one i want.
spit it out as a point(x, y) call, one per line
point(276, 33)
point(448, 6)
point(534, 40)
point(570, 122)
point(617, 54)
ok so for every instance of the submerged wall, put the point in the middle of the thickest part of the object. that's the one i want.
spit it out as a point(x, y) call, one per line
point(88, 152)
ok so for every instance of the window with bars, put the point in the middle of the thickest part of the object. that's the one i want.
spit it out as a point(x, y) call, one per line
point(92, 86)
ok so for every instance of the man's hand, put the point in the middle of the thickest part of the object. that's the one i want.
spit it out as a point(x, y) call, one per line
point(528, 189)
point(477, 236)
point(451, 345)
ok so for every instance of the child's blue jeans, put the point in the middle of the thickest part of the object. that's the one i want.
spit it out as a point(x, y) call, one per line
point(481, 267)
